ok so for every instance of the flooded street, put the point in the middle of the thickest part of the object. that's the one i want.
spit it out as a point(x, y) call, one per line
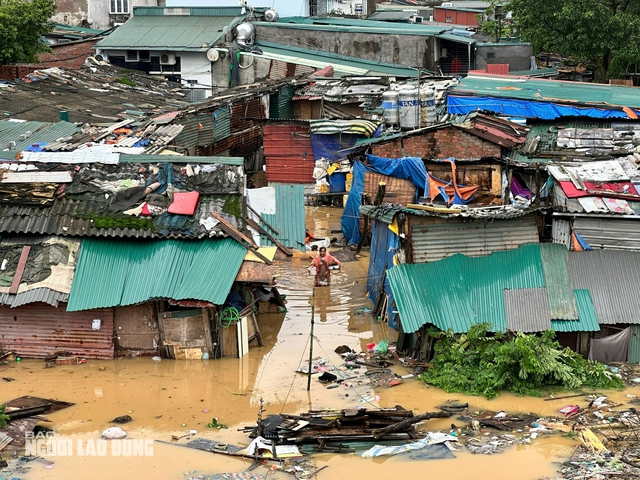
point(170, 397)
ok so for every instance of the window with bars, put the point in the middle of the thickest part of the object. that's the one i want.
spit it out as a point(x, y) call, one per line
point(119, 6)
point(313, 8)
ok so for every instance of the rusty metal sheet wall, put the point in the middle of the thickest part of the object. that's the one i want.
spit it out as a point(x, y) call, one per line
point(35, 330)
point(243, 113)
point(277, 70)
point(246, 142)
point(288, 153)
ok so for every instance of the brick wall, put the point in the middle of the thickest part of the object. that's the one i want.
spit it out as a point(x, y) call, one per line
point(66, 55)
point(69, 55)
point(443, 143)
point(64, 5)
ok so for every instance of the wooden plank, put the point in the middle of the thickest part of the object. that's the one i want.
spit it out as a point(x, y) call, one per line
point(13, 289)
point(254, 272)
point(229, 339)
point(208, 339)
point(239, 237)
point(234, 229)
point(259, 229)
point(36, 177)
point(263, 220)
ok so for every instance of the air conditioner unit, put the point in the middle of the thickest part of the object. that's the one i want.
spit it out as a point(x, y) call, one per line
point(419, 19)
point(168, 59)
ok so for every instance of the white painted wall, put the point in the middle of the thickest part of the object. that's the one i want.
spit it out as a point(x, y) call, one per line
point(194, 66)
point(98, 11)
point(286, 8)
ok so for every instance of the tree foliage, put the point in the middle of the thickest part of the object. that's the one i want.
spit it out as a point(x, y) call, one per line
point(4, 419)
point(493, 21)
point(22, 25)
point(478, 363)
point(593, 30)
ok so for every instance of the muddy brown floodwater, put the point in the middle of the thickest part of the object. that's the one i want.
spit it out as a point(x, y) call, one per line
point(170, 397)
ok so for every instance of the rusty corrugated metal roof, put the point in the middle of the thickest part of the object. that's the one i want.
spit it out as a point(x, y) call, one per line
point(493, 129)
point(36, 330)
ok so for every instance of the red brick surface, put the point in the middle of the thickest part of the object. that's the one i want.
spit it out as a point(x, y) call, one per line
point(443, 143)
point(66, 55)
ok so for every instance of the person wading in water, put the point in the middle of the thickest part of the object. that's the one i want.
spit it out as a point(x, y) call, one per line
point(322, 263)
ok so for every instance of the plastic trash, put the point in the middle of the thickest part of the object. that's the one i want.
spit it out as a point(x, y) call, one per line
point(114, 433)
point(382, 348)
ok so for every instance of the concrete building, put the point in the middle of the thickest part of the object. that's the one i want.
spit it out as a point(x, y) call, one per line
point(179, 43)
point(99, 14)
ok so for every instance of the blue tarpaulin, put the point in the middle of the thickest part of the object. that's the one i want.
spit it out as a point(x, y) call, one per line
point(384, 245)
point(327, 146)
point(524, 108)
point(409, 168)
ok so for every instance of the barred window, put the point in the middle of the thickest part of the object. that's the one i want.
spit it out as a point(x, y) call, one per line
point(119, 6)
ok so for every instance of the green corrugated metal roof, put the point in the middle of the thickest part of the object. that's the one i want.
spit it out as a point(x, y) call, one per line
point(576, 93)
point(199, 130)
point(538, 72)
point(320, 59)
point(289, 218)
point(193, 11)
point(588, 321)
point(456, 38)
point(354, 26)
point(221, 124)
point(40, 133)
point(562, 303)
point(458, 291)
point(382, 213)
point(119, 272)
point(171, 32)
point(71, 28)
point(144, 158)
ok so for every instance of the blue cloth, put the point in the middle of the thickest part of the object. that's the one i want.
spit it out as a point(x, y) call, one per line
point(384, 245)
point(408, 168)
point(583, 243)
point(337, 182)
point(526, 108)
point(327, 146)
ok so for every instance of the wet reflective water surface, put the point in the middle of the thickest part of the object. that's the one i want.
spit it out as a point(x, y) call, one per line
point(170, 397)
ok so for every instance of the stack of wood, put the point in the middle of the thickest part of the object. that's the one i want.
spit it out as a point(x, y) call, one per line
point(348, 425)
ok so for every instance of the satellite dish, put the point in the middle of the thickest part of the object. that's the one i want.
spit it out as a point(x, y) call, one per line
point(213, 55)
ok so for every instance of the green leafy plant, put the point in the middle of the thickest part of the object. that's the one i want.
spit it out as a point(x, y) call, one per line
point(126, 81)
point(215, 424)
point(4, 419)
point(480, 363)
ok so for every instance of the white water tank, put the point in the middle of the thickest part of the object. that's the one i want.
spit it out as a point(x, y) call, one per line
point(428, 104)
point(390, 108)
point(409, 108)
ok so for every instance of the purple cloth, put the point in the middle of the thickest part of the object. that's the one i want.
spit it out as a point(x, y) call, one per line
point(519, 190)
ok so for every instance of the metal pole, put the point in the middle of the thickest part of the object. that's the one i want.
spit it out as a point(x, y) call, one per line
point(313, 305)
